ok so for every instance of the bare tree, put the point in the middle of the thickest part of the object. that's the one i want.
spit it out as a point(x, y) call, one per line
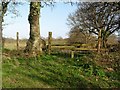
point(100, 18)
point(80, 37)
point(3, 10)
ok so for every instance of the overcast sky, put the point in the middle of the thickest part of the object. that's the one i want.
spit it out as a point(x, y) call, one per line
point(52, 19)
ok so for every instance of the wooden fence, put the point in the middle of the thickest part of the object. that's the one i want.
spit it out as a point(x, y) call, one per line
point(71, 48)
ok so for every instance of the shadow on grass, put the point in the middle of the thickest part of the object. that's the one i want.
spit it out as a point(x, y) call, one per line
point(50, 72)
point(56, 77)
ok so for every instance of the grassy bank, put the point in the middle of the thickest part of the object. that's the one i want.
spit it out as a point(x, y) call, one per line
point(53, 71)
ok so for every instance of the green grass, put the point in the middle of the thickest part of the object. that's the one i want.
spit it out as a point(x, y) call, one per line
point(51, 71)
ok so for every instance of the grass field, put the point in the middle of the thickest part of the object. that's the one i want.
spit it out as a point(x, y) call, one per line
point(55, 71)
point(58, 70)
point(11, 43)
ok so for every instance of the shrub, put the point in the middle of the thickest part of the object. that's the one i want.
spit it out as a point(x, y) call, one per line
point(89, 67)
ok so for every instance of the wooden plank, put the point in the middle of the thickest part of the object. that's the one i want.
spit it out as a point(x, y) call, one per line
point(62, 48)
point(74, 48)
point(85, 49)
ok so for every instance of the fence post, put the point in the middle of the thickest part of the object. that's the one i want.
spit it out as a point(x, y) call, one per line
point(17, 42)
point(49, 42)
point(72, 54)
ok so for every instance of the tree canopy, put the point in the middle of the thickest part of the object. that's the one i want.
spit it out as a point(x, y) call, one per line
point(99, 18)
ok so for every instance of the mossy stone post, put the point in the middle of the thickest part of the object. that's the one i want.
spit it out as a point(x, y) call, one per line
point(17, 41)
point(49, 42)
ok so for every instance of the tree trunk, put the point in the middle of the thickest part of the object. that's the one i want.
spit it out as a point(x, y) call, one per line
point(34, 42)
point(3, 10)
point(1, 18)
point(105, 43)
point(99, 41)
point(1, 33)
